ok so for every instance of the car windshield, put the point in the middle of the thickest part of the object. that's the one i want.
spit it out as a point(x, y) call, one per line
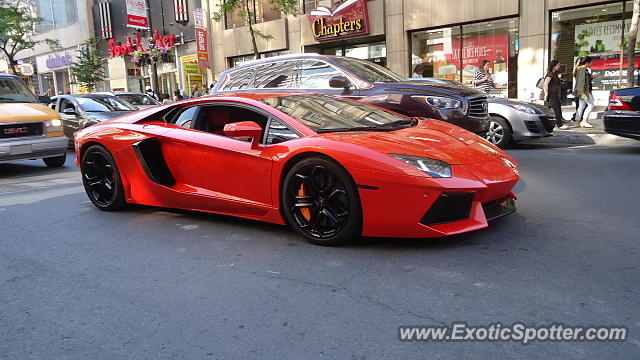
point(325, 113)
point(138, 99)
point(105, 103)
point(13, 90)
point(369, 71)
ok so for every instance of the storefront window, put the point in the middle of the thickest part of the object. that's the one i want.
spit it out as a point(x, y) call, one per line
point(595, 31)
point(263, 10)
point(455, 53)
point(438, 51)
point(376, 52)
point(56, 14)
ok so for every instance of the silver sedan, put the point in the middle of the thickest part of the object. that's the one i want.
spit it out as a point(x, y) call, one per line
point(514, 120)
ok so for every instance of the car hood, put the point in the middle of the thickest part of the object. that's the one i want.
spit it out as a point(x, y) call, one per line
point(428, 88)
point(25, 112)
point(540, 109)
point(430, 138)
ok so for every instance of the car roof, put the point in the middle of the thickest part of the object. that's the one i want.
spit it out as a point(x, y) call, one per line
point(281, 58)
point(8, 75)
point(94, 96)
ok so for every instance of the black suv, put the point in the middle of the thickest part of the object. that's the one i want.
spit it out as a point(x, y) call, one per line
point(363, 81)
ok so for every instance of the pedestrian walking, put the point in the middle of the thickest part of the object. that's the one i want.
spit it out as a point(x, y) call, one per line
point(149, 91)
point(583, 92)
point(166, 99)
point(551, 90)
point(418, 71)
point(483, 80)
point(177, 96)
point(196, 91)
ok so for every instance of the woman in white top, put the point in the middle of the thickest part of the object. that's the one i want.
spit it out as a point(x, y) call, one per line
point(483, 80)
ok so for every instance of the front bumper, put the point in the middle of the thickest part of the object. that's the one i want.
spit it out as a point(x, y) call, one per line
point(32, 147)
point(400, 206)
point(625, 124)
point(530, 126)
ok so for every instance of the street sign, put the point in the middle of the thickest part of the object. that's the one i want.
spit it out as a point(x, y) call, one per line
point(202, 48)
point(137, 14)
point(199, 18)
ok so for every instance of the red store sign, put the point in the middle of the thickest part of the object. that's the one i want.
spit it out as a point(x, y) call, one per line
point(129, 47)
point(349, 19)
point(202, 48)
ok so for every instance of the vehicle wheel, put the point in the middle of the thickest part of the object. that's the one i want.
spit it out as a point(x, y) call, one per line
point(101, 179)
point(499, 133)
point(55, 161)
point(321, 202)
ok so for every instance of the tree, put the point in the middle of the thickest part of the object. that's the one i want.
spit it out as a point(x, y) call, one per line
point(87, 70)
point(245, 9)
point(633, 36)
point(18, 31)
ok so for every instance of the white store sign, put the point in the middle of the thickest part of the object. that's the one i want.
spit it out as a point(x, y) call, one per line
point(59, 60)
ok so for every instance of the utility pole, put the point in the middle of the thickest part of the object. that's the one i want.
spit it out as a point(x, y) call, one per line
point(154, 69)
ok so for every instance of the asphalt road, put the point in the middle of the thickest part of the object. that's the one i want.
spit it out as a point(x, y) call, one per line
point(146, 283)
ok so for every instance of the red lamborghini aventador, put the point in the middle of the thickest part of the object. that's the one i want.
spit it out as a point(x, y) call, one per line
point(333, 169)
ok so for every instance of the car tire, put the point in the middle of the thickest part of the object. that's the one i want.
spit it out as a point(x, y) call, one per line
point(499, 133)
point(56, 161)
point(101, 179)
point(320, 201)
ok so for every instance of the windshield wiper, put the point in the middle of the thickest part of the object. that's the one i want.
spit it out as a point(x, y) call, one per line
point(412, 122)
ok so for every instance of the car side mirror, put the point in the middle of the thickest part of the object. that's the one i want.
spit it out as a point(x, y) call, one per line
point(44, 99)
point(340, 82)
point(244, 129)
point(69, 111)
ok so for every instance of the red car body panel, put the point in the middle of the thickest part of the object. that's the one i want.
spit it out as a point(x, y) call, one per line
point(224, 175)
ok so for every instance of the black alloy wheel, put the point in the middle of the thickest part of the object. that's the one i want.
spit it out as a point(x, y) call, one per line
point(321, 202)
point(101, 179)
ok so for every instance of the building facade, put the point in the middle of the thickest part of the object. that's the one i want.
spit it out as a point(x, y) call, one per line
point(171, 24)
point(449, 38)
point(69, 22)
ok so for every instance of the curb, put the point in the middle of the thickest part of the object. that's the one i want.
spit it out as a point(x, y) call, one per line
point(565, 137)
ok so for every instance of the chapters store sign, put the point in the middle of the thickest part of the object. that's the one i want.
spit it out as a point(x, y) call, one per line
point(349, 19)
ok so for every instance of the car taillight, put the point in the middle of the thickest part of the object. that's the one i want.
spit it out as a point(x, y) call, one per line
point(616, 103)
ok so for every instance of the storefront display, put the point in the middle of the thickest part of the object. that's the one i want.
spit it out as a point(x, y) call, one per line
point(455, 53)
point(595, 31)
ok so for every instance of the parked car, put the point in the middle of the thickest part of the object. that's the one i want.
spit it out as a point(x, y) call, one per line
point(79, 111)
point(622, 116)
point(361, 80)
point(331, 168)
point(511, 120)
point(139, 100)
point(28, 129)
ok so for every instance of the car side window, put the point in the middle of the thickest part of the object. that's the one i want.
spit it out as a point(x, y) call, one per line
point(315, 74)
point(186, 117)
point(279, 132)
point(241, 79)
point(66, 104)
point(282, 75)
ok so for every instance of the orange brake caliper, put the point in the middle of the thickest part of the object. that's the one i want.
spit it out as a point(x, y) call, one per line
point(305, 211)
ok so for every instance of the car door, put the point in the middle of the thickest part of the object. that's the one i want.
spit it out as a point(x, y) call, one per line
point(70, 118)
point(315, 76)
point(213, 165)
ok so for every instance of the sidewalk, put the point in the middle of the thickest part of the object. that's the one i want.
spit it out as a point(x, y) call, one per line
point(583, 136)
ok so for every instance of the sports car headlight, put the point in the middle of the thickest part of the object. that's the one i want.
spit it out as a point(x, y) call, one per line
point(523, 108)
point(433, 167)
point(440, 102)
